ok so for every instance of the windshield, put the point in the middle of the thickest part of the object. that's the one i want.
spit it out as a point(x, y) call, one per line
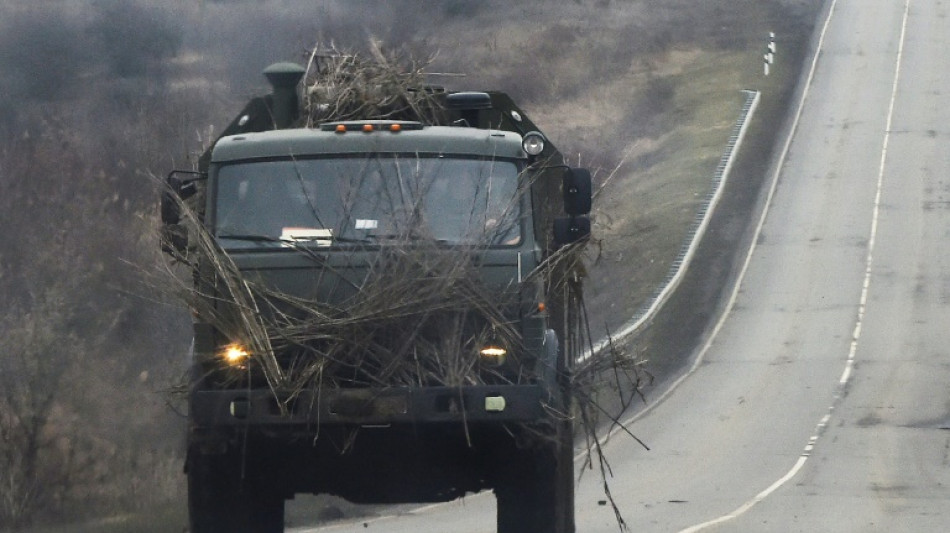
point(330, 201)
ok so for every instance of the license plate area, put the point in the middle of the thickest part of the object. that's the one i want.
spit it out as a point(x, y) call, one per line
point(368, 403)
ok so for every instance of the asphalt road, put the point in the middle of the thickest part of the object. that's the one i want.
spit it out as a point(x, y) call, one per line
point(822, 401)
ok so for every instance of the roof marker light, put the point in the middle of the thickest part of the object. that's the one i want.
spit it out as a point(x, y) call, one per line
point(371, 125)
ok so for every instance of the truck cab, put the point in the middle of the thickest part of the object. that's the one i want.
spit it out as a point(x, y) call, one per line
point(385, 311)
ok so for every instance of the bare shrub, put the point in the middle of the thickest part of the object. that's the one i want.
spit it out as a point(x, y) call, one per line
point(38, 448)
point(74, 344)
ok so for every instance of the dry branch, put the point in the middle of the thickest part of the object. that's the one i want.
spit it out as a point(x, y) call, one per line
point(419, 312)
point(349, 85)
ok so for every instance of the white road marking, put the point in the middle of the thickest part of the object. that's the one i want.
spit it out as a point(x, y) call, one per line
point(849, 364)
point(758, 230)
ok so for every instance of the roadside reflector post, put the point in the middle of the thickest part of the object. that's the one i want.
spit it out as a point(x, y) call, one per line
point(769, 57)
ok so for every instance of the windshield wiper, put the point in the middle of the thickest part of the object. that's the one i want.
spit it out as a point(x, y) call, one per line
point(334, 238)
point(295, 240)
point(248, 237)
point(404, 237)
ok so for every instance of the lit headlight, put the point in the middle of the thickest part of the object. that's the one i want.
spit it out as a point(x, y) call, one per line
point(533, 143)
point(235, 355)
point(493, 354)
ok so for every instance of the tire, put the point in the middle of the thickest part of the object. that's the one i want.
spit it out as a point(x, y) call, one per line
point(219, 500)
point(535, 490)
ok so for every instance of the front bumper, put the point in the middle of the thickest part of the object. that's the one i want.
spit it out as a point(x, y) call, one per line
point(398, 405)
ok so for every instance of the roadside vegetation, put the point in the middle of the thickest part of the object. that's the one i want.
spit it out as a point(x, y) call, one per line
point(102, 95)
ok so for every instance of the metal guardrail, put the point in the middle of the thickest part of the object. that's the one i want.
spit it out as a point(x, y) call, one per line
point(696, 232)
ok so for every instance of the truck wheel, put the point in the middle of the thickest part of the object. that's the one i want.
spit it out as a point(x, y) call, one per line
point(219, 500)
point(535, 490)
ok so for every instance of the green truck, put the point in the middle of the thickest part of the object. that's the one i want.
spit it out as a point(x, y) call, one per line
point(386, 310)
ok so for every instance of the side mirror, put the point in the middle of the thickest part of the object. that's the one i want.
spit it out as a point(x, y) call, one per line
point(577, 191)
point(571, 229)
point(174, 236)
point(177, 189)
point(171, 209)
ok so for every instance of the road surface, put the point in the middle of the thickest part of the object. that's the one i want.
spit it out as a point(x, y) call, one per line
point(822, 402)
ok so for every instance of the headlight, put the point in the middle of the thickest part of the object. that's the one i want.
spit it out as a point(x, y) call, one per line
point(532, 143)
point(494, 354)
point(235, 355)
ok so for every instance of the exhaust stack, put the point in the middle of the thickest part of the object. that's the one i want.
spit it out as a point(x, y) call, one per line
point(284, 105)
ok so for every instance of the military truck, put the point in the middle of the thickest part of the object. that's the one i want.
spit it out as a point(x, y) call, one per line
point(314, 217)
